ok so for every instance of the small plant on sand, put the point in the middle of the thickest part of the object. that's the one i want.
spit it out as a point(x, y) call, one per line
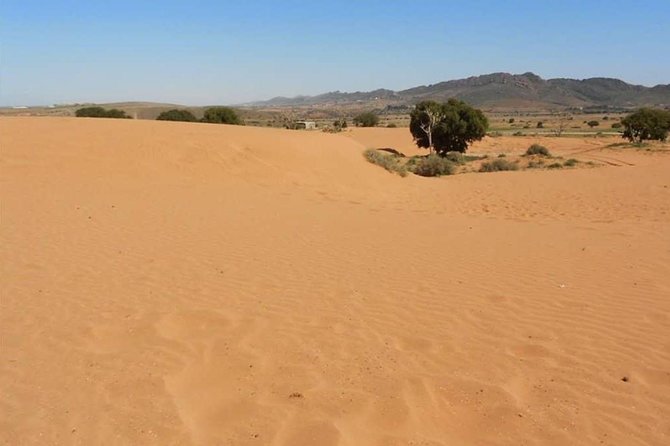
point(387, 161)
point(570, 162)
point(391, 125)
point(537, 149)
point(498, 165)
point(536, 164)
point(501, 155)
point(432, 165)
point(555, 166)
point(517, 133)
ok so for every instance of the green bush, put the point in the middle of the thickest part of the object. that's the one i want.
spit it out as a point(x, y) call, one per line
point(593, 124)
point(366, 119)
point(498, 165)
point(537, 149)
point(222, 115)
point(387, 161)
point(646, 124)
point(432, 165)
point(100, 112)
point(176, 115)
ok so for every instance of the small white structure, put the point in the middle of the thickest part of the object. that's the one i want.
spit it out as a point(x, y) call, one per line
point(307, 125)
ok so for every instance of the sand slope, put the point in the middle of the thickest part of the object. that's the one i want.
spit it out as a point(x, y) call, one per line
point(168, 283)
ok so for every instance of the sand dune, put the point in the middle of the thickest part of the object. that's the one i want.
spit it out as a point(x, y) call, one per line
point(170, 283)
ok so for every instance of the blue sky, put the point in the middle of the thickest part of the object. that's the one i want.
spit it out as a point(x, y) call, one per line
point(217, 52)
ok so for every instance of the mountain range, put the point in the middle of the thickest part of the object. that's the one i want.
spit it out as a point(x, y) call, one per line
point(499, 91)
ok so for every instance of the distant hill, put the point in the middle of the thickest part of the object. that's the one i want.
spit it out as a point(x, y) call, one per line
point(501, 91)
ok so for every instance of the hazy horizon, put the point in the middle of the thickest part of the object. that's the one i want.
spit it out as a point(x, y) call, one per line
point(204, 53)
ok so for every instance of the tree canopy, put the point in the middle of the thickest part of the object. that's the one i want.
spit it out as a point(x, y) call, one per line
point(447, 127)
point(222, 115)
point(100, 112)
point(177, 115)
point(646, 124)
point(366, 119)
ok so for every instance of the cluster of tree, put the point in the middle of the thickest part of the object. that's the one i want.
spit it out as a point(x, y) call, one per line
point(447, 127)
point(177, 115)
point(100, 112)
point(215, 115)
point(366, 119)
point(646, 124)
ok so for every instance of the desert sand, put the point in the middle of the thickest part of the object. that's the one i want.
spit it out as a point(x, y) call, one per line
point(193, 284)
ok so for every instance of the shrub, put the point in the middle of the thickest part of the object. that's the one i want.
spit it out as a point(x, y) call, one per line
point(501, 155)
point(570, 162)
point(537, 149)
point(616, 125)
point(510, 120)
point(432, 165)
point(366, 119)
point(498, 165)
point(391, 125)
point(540, 125)
point(534, 164)
point(340, 124)
point(387, 161)
point(593, 124)
point(176, 115)
point(646, 124)
point(100, 112)
point(222, 115)
point(518, 133)
point(555, 166)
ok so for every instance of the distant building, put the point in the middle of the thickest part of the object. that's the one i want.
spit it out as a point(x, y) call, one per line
point(306, 125)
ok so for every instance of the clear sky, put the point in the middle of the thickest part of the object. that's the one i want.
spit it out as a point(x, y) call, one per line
point(218, 52)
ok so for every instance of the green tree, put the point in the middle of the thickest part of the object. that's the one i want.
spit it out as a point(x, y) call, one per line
point(446, 127)
point(366, 119)
point(222, 115)
point(646, 124)
point(100, 112)
point(593, 123)
point(91, 112)
point(176, 115)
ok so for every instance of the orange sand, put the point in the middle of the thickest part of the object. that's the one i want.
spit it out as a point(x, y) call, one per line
point(171, 283)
